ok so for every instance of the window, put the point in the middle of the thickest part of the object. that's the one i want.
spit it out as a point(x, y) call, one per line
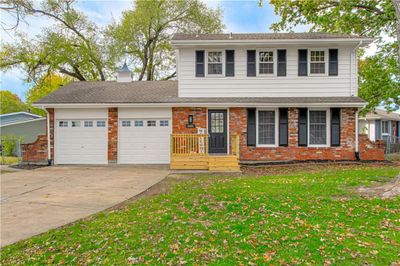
point(63, 124)
point(266, 128)
point(266, 62)
point(318, 128)
point(385, 127)
point(88, 124)
point(217, 122)
point(101, 123)
point(214, 63)
point(164, 123)
point(138, 123)
point(317, 62)
point(151, 123)
point(126, 123)
point(76, 123)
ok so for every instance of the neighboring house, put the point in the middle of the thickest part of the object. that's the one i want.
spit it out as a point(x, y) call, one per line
point(381, 125)
point(255, 97)
point(23, 125)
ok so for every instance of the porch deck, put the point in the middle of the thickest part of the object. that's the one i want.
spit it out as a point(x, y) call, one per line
point(190, 152)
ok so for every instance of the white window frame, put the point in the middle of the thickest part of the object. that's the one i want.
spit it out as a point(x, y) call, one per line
point(86, 123)
point(78, 123)
point(164, 121)
point(328, 127)
point(275, 65)
point(152, 120)
point(64, 122)
point(276, 110)
point(325, 58)
point(388, 123)
point(127, 124)
point(138, 123)
point(223, 63)
point(101, 121)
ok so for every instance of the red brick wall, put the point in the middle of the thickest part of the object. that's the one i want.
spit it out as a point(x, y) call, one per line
point(238, 124)
point(35, 152)
point(180, 119)
point(371, 151)
point(112, 135)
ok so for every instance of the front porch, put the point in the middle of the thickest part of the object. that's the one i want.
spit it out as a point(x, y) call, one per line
point(191, 152)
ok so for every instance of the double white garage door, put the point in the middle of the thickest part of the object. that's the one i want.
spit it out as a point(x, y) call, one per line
point(81, 136)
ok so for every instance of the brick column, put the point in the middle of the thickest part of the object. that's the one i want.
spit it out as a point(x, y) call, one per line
point(112, 135)
point(51, 124)
point(293, 127)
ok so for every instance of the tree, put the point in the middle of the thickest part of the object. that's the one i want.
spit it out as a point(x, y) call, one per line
point(145, 32)
point(10, 103)
point(373, 18)
point(74, 46)
point(44, 86)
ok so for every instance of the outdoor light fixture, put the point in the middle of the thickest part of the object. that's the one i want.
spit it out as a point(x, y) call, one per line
point(190, 122)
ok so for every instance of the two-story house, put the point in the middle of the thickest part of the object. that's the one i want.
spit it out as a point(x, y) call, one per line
point(238, 97)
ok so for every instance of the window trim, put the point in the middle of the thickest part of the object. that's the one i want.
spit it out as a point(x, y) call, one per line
point(328, 128)
point(138, 123)
point(326, 61)
point(88, 121)
point(276, 110)
point(97, 123)
point(127, 124)
point(388, 123)
point(222, 62)
point(275, 64)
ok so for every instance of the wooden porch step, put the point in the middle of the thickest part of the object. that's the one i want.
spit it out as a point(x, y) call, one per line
point(220, 163)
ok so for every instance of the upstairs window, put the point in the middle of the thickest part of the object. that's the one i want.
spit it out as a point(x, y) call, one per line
point(266, 62)
point(317, 62)
point(214, 63)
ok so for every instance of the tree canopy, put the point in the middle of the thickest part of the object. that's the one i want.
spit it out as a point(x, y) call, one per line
point(145, 32)
point(10, 103)
point(44, 86)
point(378, 74)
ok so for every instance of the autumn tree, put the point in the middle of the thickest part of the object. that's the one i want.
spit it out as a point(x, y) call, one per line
point(45, 85)
point(379, 74)
point(144, 33)
point(10, 103)
point(74, 46)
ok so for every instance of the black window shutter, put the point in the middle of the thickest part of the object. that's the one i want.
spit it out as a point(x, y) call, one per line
point(230, 63)
point(251, 127)
point(303, 127)
point(281, 62)
point(303, 65)
point(251, 63)
point(333, 62)
point(283, 126)
point(378, 129)
point(335, 126)
point(199, 63)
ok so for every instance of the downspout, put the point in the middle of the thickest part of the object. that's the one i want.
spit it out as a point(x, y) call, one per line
point(356, 152)
point(49, 160)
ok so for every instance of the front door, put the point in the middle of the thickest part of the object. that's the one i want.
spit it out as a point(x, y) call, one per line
point(217, 129)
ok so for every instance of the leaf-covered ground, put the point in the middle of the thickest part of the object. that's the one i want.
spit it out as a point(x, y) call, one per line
point(298, 218)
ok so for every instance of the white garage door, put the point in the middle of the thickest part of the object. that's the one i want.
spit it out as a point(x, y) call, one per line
point(80, 141)
point(144, 141)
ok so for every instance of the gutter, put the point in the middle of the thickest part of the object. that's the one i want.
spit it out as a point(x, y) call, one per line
point(49, 160)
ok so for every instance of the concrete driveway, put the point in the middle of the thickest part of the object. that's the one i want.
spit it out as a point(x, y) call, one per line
point(34, 201)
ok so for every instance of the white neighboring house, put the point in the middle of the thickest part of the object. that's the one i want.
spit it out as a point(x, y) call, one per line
point(381, 125)
point(285, 96)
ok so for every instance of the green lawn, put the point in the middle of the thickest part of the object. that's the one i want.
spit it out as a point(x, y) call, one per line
point(8, 160)
point(300, 218)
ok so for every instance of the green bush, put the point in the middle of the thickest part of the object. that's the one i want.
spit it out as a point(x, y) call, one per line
point(9, 144)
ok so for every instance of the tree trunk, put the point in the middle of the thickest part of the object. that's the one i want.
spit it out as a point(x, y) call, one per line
point(396, 4)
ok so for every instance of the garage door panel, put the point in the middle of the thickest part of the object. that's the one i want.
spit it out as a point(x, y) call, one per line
point(80, 145)
point(144, 144)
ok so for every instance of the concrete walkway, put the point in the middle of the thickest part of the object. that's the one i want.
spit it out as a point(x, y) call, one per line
point(34, 201)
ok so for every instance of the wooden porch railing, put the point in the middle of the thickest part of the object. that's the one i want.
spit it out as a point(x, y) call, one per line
point(235, 145)
point(197, 144)
point(189, 144)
